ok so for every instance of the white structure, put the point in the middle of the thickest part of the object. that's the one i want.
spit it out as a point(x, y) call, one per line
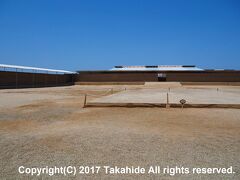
point(5, 67)
point(157, 68)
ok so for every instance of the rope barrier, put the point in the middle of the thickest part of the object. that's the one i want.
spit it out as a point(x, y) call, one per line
point(110, 91)
point(94, 89)
point(115, 89)
point(96, 95)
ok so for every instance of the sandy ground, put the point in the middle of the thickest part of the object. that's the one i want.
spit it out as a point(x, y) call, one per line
point(196, 95)
point(54, 130)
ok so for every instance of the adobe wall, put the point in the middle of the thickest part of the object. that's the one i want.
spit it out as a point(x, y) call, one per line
point(193, 76)
point(116, 76)
point(23, 80)
point(205, 76)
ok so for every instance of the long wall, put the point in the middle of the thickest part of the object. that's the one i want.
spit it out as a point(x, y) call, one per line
point(152, 76)
point(110, 76)
point(205, 76)
point(25, 80)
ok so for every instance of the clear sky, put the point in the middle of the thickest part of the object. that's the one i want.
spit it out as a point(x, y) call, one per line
point(98, 34)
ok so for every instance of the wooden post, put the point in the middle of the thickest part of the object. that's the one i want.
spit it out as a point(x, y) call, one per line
point(167, 105)
point(85, 100)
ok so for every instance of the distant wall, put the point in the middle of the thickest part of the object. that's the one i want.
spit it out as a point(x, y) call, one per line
point(25, 80)
point(109, 76)
point(193, 76)
point(205, 76)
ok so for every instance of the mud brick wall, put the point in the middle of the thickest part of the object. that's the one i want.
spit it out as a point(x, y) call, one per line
point(193, 76)
point(10, 79)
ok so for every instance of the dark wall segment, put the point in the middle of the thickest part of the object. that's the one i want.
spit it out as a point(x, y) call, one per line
point(152, 76)
point(26, 80)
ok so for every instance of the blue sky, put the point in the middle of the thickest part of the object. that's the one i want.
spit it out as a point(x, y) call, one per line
point(75, 35)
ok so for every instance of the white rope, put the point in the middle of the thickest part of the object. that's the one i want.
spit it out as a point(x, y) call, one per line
point(95, 89)
point(97, 95)
point(116, 89)
point(104, 94)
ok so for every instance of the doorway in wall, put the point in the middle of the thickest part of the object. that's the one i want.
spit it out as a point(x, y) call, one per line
point(162, 77)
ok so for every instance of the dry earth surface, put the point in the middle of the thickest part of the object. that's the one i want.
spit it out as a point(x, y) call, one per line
point(158, 94)
point(48, 127)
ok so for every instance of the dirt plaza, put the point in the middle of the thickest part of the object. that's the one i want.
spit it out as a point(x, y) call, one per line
point(49, 126)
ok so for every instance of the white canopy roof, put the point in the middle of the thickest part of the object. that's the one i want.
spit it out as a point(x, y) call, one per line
point(36, 69)
point(156, 68)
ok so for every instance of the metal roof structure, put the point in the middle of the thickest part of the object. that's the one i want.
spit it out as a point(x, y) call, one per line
point(157, 68)
point(35, 69)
